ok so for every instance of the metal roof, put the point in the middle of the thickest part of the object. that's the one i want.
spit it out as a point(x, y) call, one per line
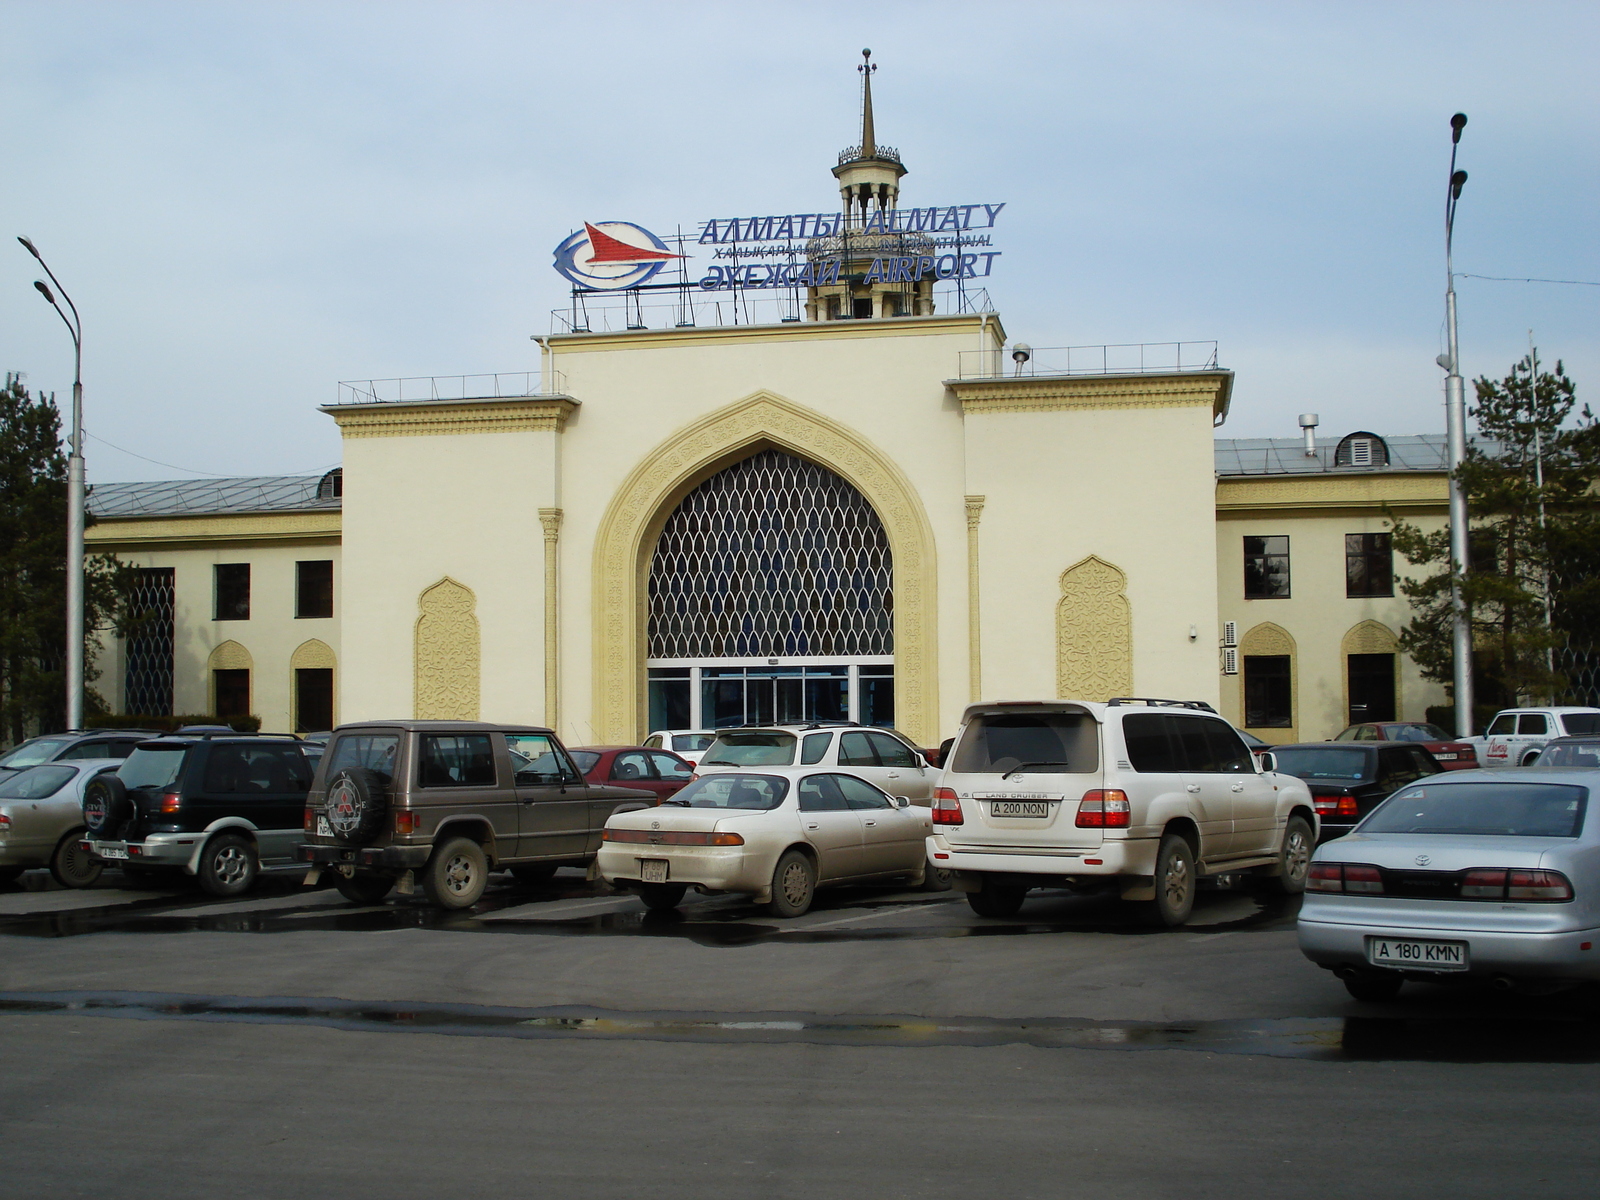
point(199, 497)
point(1287, 456)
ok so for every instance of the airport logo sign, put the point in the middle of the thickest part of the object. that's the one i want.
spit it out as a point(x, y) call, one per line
point(608, 256)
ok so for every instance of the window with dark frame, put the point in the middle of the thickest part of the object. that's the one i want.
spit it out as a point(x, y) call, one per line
point(313, 589)
point(313, 699)
point(233, 692)
point(232, 592)
point(1368, 565)
point(1266, 568)
point(1268, 692)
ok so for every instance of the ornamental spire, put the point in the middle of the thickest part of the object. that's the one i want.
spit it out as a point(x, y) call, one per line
point(869, 147)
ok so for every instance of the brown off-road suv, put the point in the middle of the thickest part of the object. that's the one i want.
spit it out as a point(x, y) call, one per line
point(448, 802)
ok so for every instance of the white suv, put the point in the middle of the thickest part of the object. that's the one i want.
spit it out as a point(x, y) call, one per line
point(1149, 795)
point(879, 756)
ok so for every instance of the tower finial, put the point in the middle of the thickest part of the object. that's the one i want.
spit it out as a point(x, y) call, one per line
point(869, 146)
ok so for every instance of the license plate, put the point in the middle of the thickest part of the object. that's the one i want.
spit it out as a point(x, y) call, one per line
point(1019, 808)
point(323, 828)
point(111, 852)
point(1417, 956)
point(653, 870)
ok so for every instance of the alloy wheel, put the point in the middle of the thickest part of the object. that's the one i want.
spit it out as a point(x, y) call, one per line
point(1176, 882)
point(1296, 855)
point(230, 865)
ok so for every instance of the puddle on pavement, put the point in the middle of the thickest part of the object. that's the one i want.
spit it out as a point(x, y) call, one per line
point(707, 924)
point(1326, 1039)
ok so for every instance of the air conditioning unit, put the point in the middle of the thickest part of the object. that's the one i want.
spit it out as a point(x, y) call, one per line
point(1230, 633)
point(1230, 660)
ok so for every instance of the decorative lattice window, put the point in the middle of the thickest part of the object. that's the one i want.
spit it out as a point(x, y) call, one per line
point(773, 556)
point(147, 676)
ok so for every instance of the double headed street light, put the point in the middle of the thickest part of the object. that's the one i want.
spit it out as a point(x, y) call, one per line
point(74, 496)
point(1455, 405)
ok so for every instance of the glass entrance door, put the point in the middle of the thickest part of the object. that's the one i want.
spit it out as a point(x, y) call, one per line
point(724, 695)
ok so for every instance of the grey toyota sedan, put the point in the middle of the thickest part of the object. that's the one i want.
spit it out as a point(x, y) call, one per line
point(1474, 874)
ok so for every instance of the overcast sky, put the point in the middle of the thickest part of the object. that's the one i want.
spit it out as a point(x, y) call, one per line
point(252, 201)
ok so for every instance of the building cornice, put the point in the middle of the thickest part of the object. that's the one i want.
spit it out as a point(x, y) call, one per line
point(511, 414)
point(1053, 393)
point(878, 327)
point(1246, 494)
point(111, 533)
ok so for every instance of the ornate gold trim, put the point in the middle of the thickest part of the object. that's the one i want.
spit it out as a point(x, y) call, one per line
point(433, 417)
point(1270, 639)
point(1412, 489)
point(974, 625)
point(1055, 393)
point(447, 654)
point(109, 533)
point(1094, 632)
point(550, 518)
point(641, 506)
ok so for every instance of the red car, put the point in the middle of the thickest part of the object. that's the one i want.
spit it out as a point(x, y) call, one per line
point(658, 771)
point(1452, 755)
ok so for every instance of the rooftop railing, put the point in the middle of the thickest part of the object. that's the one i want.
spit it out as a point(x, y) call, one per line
point(1132, 358)
point(498, 385)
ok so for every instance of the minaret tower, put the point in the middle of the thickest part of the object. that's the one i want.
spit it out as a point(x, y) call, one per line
point(869, 189)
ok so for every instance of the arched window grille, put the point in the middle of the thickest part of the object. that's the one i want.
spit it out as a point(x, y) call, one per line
point(1361, 449)
point(773, 556)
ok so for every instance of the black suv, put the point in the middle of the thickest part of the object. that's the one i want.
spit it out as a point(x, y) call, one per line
point(66, 747)
point(219, 807)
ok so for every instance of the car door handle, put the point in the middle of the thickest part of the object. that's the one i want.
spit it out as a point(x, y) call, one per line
point(893, 775)
point(811, 825)
point(1194, 787)
point(870, 824)
point(1238, 787)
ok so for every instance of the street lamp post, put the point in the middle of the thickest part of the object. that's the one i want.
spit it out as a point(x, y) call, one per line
point(74, 497)
point(1455, 403)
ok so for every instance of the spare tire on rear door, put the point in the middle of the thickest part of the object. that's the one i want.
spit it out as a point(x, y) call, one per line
point(106, 807)
point(356, 805)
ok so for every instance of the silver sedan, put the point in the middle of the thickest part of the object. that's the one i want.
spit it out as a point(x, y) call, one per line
point(774, 833)
point(1475, 874)
point(41, 821)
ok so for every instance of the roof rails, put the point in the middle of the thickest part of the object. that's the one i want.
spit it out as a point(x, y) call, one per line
point(205, 735)
point(1150, 701)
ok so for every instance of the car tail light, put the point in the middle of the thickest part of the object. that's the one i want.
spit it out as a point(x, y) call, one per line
point(664, 837)
point(1483, 885)
point(310, 822)
point(171, 802)
point(1538, 885)
point(1103, 810)
point(407, 822)
point(5, 823)
point(1334, 806)
point(725, 839)
point(1344, 877)
point(947, 807)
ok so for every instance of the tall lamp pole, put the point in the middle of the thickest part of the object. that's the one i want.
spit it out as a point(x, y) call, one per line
point(1455, 404)
point(74, 496)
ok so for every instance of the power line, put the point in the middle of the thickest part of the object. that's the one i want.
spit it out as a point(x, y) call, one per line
point(1508, 279)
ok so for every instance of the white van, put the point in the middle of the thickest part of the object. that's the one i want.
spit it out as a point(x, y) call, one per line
point(1144, 795)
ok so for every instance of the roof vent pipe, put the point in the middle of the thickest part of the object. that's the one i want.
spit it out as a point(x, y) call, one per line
point(1308, 426)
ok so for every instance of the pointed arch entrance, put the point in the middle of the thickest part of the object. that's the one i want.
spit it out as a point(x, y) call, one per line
point(626, 541)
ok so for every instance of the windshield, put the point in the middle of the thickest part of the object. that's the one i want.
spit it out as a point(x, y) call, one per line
point(1050, 742)
point(1571, 754)
point(1323, 762)
point(1489, 809)
point(759, 792)
point(29, 754)
point(692, 741)
point(751, 750)
point(1415, 733)
point(151, 766)
point(1575, 723)
point(36, 783)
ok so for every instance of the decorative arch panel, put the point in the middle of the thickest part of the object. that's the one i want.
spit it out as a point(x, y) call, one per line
point(447, 663)
point(1094, 632)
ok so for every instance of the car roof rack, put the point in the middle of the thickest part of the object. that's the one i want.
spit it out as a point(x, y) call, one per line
point(205, 735)
point(1152, 702)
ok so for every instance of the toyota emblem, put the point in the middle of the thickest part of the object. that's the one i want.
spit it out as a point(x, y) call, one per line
point(1423, 860)
point(655, 824)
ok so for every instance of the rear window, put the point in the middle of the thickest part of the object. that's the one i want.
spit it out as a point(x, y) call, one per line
point(152, 766)
point(1581, 722)
point(751, 750)
point(1487, 809)
point(585, 759)
point(36, 783)
point(760, 792)
point(374, 752)
point(1416, 733)
point(1571, 754)
point(29, 754)
point(692, 742)
point(1049, 742)
point(1323, 762)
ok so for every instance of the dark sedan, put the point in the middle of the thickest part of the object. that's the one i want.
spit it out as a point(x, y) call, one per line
point(1347, 780)
point(1450, 754)
point(658, 771)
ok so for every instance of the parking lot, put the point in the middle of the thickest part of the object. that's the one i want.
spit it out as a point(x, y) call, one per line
point(562, 1041)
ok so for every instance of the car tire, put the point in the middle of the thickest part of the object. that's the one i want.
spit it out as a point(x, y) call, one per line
point(997, 900)
point(1174, 882)
point(935, 879)
point(534, 874)
point(228, 865)
point(1294, 856)
point(1374, 987)
point(106, 806)
point(72, 866)
point(456, 874)
point(662, 897)
point(794, 885)
point(9, 875)
point(364, 887)
point(356, 806)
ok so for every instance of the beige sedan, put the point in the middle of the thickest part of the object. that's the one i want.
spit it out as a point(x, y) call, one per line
point(774, 833)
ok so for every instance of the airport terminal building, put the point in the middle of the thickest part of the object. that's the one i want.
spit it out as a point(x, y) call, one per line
point(871, 506)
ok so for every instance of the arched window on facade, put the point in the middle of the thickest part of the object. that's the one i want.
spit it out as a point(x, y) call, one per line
point(1361, 449)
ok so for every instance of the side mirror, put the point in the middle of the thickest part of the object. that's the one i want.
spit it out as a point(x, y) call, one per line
point(1268, 760)
point(901, 802)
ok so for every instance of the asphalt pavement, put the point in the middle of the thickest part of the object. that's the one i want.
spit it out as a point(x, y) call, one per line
point(562, 1041)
